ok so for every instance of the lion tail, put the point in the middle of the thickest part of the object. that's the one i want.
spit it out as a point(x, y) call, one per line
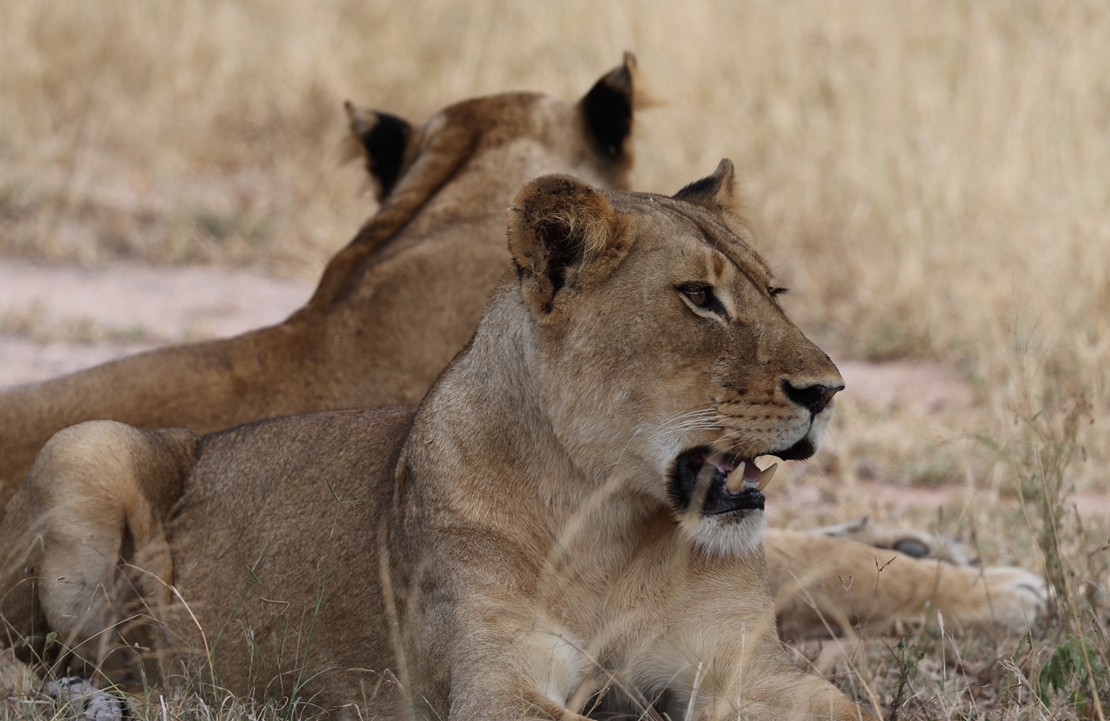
point(100, 495)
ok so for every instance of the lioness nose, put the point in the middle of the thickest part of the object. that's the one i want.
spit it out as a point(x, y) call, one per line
point(814, 398)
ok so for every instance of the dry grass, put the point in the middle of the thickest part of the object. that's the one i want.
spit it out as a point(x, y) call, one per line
point(933, 175)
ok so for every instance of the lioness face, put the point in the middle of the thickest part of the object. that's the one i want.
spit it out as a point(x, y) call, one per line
point(669, 332)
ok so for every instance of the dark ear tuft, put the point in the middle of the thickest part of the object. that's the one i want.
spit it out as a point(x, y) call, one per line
point(383, 138)
point(705, 187)
point(608, 108)
point(719, 195)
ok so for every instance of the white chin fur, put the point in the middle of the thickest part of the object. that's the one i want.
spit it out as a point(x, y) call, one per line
point(817, 430)
point(725, 535)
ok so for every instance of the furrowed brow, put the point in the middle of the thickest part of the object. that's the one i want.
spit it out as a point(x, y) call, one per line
point(754, 269)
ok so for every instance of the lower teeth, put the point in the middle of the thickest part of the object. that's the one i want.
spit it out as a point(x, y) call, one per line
point(766, 476)
point(735, 480)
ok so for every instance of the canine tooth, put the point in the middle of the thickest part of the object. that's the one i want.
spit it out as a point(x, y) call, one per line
point(736, 478)
point(766, 476)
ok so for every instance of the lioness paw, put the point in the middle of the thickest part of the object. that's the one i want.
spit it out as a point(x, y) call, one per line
point(1012, 598)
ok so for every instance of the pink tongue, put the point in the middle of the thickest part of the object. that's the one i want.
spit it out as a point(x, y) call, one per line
point(751, 471)
point(721, 462)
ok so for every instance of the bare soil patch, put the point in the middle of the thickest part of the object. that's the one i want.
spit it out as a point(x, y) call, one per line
point(59, 319)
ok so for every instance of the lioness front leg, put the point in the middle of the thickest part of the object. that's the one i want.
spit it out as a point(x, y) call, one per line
point(732, 663)
point(918, 544)
point(699, 628)
point(509, 661)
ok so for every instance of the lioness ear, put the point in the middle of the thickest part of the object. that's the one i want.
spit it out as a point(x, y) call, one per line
point(608, 107)
point(717, 192)
point(562, 234)
point(383, 139)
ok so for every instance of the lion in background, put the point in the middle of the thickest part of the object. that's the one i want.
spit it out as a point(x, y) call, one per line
point(396, 304)
point(393, 306)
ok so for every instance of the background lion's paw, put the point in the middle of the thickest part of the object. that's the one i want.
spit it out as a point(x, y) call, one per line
point(85, 701)
point(918, 544)
point(1015, 597)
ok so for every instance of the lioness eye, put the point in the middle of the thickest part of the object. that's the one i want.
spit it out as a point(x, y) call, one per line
point(698, 296)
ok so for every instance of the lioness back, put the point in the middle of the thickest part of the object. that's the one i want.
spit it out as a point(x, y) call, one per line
point(262, 531)
point(299, 558)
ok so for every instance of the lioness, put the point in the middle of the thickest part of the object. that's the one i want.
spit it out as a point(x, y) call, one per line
point(573, 502)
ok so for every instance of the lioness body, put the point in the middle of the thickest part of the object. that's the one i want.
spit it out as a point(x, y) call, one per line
point(543, 524)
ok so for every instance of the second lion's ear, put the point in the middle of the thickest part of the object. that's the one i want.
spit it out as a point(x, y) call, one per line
point(384, 138)
point(607, 113)
point(563, 235)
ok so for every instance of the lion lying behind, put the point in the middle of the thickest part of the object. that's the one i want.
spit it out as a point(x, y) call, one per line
point(392, 308)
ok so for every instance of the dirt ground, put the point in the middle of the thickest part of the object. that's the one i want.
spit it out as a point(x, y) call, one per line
point(60, 319)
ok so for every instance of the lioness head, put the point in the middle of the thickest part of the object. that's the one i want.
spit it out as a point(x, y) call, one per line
point(659, 323)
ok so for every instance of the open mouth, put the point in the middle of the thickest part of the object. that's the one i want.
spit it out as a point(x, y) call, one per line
point(716, 483)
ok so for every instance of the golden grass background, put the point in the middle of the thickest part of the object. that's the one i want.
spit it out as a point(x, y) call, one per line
point(934, 176)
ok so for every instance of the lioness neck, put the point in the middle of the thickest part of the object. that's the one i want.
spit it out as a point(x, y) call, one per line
point(484, 426)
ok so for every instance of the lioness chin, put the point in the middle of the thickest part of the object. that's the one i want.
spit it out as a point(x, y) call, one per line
point(546, 523)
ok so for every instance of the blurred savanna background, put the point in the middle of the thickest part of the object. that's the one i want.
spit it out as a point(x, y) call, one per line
point(933, 179)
